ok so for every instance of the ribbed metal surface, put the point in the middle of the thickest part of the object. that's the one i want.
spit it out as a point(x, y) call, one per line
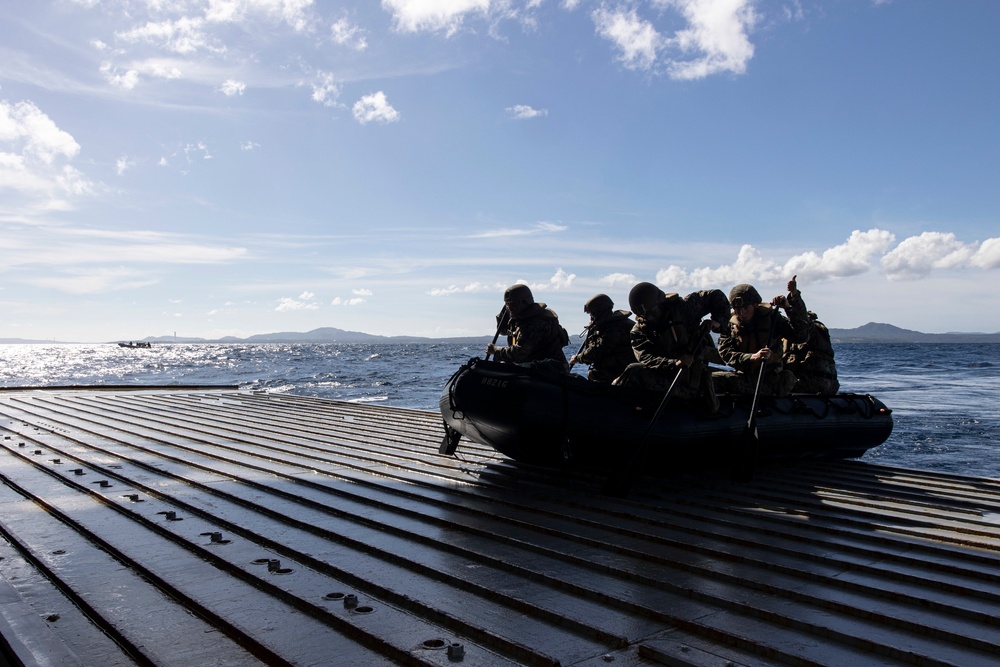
point(200, 527)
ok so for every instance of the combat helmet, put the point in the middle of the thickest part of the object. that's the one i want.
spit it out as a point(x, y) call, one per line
point(743, 295)
point(518, 298)
point(644, 297)
point(598, 305)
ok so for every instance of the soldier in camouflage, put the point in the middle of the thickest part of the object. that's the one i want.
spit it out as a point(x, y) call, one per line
point(747, 342)
point(667, 339)
point(607, 348)
point(533, 330)
point(812, 362)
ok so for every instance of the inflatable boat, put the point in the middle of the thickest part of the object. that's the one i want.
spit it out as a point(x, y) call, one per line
point(537, 416)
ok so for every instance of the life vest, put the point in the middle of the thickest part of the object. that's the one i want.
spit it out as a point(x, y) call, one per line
point(674, 325)
point(753, 336)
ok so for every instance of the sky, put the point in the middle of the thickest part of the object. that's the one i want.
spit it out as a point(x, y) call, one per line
point(210, 168)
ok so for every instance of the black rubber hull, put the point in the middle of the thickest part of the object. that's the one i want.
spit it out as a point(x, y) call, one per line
point(558, 421)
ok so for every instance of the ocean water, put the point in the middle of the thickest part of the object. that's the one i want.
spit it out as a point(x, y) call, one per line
point(944, 397)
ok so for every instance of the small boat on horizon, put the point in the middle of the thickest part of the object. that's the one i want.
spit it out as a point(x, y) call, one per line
point(135, 344)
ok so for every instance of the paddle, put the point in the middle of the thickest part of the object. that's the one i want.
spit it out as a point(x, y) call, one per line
point(503, 319)
point(619, 485)
point(750, 439)
point(572, 361)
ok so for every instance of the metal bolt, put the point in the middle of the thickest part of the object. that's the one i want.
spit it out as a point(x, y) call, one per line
point(57, 461)
point(456, 651)
point(134, 497)
point(170, 516)
point(78, 471)
point(274, 567)
point(103, 483)
point(350, 601)
point(216, 538)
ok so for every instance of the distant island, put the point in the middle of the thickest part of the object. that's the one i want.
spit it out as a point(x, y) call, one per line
point(325, 335)
point(873, 332)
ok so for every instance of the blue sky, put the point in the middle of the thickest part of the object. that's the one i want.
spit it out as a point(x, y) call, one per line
point(232, 167)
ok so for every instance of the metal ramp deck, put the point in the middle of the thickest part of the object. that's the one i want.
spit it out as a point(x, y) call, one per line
point(201, 527)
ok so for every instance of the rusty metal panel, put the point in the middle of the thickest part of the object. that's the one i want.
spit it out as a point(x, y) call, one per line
point(227, 527)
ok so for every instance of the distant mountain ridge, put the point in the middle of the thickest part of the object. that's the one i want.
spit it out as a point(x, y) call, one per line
point(873, 332)
point(323, 335)
point(877, 332)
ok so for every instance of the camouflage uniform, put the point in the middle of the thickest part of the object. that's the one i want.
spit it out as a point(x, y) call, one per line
point(738, 342)
point(812, 361)
point(533, 335)
point(608, 347)
point(660, 342)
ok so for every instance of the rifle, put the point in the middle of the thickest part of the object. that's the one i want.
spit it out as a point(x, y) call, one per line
point(586, 336)
point(503, 319)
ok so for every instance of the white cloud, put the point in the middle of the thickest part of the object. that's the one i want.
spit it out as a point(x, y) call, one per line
point(249, 146)
point(344, 33)
point(195, 149)
point(361, 292)
point(123, 164)
point(619, 280)
point(471, 288)
point(539, 228)
point(347, 302)
point(295, 13)
point(62, 247)
point(919, 255)
point(92, 281)
point(717, 35)
point(231, 87)
point(988, 255)
point(524, 112)
point(914, 257)
point(715, 38)
point(40, 138)
point(325, 91)
point(636, 39)
point(159, 68)
point(559, 280)
point(34, 153)
point(303, 302)
point(851, 258)
point(443, 15)
point(126, 81)
point(374, 107)
point(185, 35)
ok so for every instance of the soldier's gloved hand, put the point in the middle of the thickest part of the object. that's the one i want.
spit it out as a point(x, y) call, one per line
point(793, 287)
